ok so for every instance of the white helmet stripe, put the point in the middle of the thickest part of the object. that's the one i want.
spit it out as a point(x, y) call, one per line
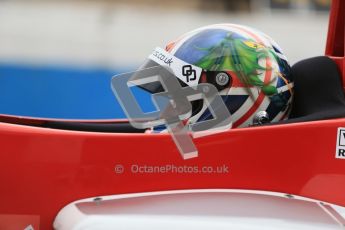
point(188, 73)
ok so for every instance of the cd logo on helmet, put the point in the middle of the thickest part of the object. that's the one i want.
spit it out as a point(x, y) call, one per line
point(188, 71)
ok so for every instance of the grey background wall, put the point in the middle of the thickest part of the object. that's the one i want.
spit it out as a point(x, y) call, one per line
point(120, 34)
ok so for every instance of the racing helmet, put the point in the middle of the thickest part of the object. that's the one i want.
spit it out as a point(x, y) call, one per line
point(247, 67)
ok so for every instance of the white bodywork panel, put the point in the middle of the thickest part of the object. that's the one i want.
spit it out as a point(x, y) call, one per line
point(198, 209)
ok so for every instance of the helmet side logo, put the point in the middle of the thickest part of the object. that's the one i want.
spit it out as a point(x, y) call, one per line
point(189, 73)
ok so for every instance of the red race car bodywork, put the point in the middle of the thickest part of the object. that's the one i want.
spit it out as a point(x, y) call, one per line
point(42, 169)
